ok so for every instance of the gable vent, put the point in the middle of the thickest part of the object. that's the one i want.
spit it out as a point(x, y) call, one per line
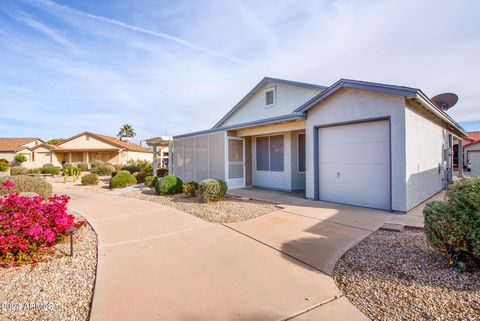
point(270, 97)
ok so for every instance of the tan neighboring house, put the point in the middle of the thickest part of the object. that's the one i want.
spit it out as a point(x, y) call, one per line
point(10, 146)
point(86, 147)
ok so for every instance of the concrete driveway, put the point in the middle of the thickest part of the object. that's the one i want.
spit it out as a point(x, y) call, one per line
point(158, 263)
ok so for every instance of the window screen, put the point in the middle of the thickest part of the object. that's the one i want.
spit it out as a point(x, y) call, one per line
point(235, 150)
point(276, 153)
point(262, 154)
point(301, 153)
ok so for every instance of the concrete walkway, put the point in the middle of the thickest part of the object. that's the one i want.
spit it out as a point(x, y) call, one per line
point(158, 263)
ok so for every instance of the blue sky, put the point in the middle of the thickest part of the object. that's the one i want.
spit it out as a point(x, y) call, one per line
point(178, 66)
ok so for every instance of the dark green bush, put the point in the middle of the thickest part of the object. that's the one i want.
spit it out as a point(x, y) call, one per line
point(28, 184)
point(190, 188)
point(90, 179)
point(122, 179)
point(103, 169)
point(149, 181)
point(52, 170)
point(211, 190)
point(18, 170)
point(140, 176)
point(83, 167)
point(162, 172)
point(4, 167)
point(169, 185)
point(131, 168)
point(452, 226)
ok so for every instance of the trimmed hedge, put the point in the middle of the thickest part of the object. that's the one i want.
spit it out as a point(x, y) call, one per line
point(27, 184)
point(150, 181)
point(18, 170)
point(103, 169)
point(122, 179)
point(452, 226)
point(190, 188)
point(169, 185)
point(211, 190)
point(53, 170)
point(90, 179)
point(131, 168)
point(4, 167)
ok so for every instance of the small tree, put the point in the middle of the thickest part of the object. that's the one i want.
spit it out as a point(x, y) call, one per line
point(20, 158)
point(55, 141)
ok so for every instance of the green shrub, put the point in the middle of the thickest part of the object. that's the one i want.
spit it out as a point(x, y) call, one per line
point(71, 171)
point(131, 168)
point(122, 179)
point(103, 169)
point(149, 181)
point(18, 170)
point(145, 166)
point(97, 163)
point(4, 161)
point(52, 170)
point(34, 171)
point(169, 185)
point(28, 184)
point(140, 176)
point(83, 167)
point(90, 179)
point(190, 188)
point(65, 165)
point(162, 172)
point(118, 167)
point(211, 190)
point(20, 158)
point(452, 226)
point(4, 167)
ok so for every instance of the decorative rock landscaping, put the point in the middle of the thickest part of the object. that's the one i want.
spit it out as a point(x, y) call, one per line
point(228, 210)
point(60, 288)
point(397, 276)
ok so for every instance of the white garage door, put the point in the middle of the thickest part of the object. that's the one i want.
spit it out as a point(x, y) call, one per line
point(474, 158)
point(354, 164)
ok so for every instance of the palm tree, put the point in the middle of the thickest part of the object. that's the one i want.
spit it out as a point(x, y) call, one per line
point(126, 131)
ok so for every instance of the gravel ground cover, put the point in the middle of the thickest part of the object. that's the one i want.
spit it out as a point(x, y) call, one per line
point(60, 288)
point(396, 276)
point(229, 210)
point(58, 183)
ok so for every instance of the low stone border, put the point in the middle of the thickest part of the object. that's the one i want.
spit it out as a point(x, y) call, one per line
point(60, 288)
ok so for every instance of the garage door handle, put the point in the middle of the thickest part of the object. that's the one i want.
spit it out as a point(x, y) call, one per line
point(338, 174)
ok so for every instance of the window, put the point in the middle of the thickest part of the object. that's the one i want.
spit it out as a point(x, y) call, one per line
point(270, 96)
point(270, 153)
point(301, 153)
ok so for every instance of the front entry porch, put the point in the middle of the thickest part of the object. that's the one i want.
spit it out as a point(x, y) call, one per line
point(88, 157)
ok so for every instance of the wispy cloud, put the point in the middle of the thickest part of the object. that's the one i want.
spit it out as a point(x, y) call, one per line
point(121, 24)
point(37, 25)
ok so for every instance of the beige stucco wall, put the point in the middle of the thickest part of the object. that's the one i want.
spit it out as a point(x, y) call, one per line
point(288, 98)
point(87, 142)
point(351, 105)
point(8, 156)
point(139, 156)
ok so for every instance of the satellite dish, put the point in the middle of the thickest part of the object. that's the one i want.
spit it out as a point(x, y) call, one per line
point(446, 100)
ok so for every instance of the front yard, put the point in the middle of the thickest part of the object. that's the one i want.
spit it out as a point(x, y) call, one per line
point(228, 210)
point(397, 276)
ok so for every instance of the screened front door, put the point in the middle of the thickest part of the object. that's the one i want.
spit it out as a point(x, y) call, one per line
point(236, 162)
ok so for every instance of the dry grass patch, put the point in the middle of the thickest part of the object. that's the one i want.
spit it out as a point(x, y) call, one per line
point(229, 210)
point(397, 276)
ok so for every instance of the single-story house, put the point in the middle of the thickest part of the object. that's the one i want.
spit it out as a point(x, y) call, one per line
point(354, 142)
point(82, 148)
point(10, 146)
point(471, 152)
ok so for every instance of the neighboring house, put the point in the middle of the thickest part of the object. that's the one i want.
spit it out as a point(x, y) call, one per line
point(160, 150)
point(11, 146)
point(355, 142)
point(82, 148)
point(471, 152)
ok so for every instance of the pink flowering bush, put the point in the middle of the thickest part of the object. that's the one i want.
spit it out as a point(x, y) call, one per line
point(29, 226)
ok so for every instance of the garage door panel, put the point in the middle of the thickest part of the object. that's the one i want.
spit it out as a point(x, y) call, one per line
point(474, 157)
point(354, 164)
point(355, 174)
point(366, 153)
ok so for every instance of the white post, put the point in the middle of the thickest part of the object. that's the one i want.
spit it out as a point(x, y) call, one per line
point(460, 158)
point(155, 161)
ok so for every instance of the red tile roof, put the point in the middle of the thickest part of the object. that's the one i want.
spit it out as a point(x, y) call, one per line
point(13, 144)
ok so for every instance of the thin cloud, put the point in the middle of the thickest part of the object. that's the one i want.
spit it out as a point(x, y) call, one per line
point(37, 25)
point(188, 44)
